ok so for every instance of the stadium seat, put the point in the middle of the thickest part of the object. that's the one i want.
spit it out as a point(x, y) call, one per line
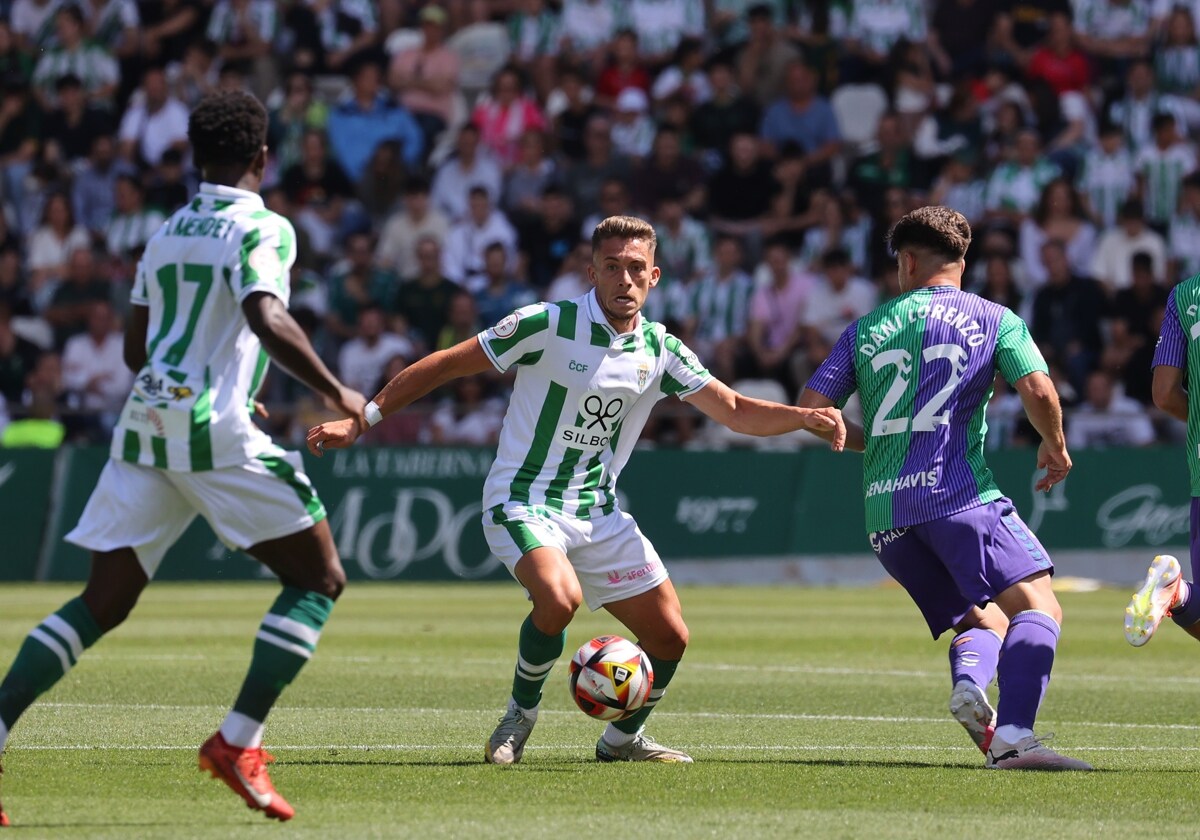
point(858, 109)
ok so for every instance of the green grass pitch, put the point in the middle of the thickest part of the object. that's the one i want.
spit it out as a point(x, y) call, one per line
point(809, 712)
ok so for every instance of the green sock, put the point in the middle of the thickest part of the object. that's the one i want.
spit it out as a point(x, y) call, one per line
point(664, 669)
point(49, 651)
point(536, 654)
point(286, 640)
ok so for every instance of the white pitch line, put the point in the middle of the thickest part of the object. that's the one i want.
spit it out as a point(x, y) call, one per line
point(575, 748)
point(798, 716)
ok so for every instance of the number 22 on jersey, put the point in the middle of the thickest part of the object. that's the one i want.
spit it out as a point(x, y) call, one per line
point(927, 419)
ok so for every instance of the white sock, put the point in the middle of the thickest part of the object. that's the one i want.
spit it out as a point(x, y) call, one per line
point(1010, 734)
point(241, 731)
point(616, 738)
point(529, 713)
point(3, 735)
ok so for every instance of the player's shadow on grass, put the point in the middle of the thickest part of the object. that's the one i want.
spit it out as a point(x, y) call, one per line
point(880, 763)
point(555, 766)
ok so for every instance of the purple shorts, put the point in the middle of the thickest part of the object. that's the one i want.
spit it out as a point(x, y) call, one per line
point(963, 560)
point(1195, 537)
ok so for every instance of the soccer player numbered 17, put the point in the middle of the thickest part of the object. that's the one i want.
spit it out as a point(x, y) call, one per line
point(924, 364)
point(1164, 591)
point(210, 296)
point(589, 371)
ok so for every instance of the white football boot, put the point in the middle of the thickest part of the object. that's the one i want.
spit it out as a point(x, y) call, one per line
point(641, 748)
point(1153, 601)
point(970, 707)
point(1030, 753)
point(507, 744)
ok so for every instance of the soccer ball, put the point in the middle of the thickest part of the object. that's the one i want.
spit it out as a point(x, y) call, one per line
point(610, 678)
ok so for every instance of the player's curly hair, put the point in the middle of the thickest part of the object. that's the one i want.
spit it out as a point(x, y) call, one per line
point(624, 227)
point(227, 129)
point(939, 230)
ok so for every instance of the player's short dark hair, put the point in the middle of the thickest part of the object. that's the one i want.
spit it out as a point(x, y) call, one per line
point(497, 245)
point(1142, 261)
point(624, 227)
point(227, 128)
point(479, 190)
point(938, 230)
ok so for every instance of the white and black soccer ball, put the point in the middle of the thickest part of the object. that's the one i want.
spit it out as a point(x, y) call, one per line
point(610, 678)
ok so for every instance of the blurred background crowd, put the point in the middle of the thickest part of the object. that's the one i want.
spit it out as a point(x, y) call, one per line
point(444, 163)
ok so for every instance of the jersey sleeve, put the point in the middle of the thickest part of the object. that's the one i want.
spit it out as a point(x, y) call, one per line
point(139, 295)
point(1171, 350)
point(519, 338)
point(263, 260)
point(835, 378)
point(1016, 354)
point(683, 375)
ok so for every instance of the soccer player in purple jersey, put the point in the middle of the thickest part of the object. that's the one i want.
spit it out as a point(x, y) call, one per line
point(1164, 591)
point(924, 364)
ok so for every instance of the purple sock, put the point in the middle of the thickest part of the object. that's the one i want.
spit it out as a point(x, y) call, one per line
point(1187, 611)
point(973, 656)
point(1025, 662)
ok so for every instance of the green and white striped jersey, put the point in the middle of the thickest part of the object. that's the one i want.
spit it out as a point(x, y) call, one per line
point(1107, 180)
point(582, 396)
point(189, 409)
point(1162, 172)
point(94, 67)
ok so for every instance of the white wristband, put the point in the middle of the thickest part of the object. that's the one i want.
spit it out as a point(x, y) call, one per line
point(372, 413)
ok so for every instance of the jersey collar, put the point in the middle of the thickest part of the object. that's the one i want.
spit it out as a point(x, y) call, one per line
point(616, 340)
point(219, 191)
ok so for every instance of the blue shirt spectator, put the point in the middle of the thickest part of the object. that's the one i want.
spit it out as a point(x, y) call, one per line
point(803, 118)
point(366, 118)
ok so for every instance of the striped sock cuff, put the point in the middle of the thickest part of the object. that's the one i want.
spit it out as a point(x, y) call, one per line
point(529, 671)
point(295, 621)
point(67, 633)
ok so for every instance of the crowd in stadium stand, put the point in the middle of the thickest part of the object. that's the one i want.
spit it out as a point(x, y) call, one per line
point(444, 163)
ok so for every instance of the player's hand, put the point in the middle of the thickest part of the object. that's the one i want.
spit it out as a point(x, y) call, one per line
point(1056, 462)
point(261, 410)
point(336, 434)
point(829, 423)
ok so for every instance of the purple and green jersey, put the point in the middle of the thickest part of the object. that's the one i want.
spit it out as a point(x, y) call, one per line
point(1180, 328)
point(924, 364)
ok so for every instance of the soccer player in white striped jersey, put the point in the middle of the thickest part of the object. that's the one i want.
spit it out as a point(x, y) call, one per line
point(209, 307)
point(589, 371)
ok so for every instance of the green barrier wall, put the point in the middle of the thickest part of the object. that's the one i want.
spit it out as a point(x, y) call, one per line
point(414, 513)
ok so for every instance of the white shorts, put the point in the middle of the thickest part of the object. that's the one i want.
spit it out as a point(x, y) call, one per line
point(611, 557)
point(148, 509)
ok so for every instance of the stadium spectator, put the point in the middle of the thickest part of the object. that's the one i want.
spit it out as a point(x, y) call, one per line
point(17, 357)
point(1025, 25)
point(569, 108)
point(15, 63)
point(74, 55)
point(547, 237)
point(588, 27)
point(463, 250)
point(167, 27)
point(1135, 111)
point(739, 195)
point(962, 35)
point(20, 124)
point(33, 23)
point(482, 47)
point(667, 171)
point(1107, 179)
point(534, 32)
point(1060, 216)
point(355, 284)
point(662, 24)
point(1114, 31)
point(1000, 284)
point(244, 31)
point(1112, 261)
point(470, 167)
point(362, 358)
point(170, 185)
point(132, 225)
point(1067, 316)
point(1059, 62)
point(714, 123)
point(462, 321)
point(51, 246)
point(82, 285)
point(195, 74)
point(875, 28)
point(423, 299)
point(718, 310)
point(763, 61)
point(1177, 58)
point(40, 427)
point(586, 178)
point(776, 317)
point(69, 129)
point(93, 189)
point(505, 115)
point(572, 280)
point(533, 172)
point(1017, 184)
point(297, 114)
point(838, 225)
point(154, 122)
point(320, 190)
point(347, 31)
point(614, 201)
point(1183, 236)
point(1107, 418)
point(1160, 168)
point(365, 117)
point(14, 293)
point(633, 129)
point(501, 292)
point(804, 118)
point(1137, 316)
point(838, 297)
point(960, 188)
point(890, 165)
point(683, 243)
point(94, 372)
point(379, 189)
point(685, 77)
point(425, 76)
point(624, 70)
point(415, 221)
point(468, 418)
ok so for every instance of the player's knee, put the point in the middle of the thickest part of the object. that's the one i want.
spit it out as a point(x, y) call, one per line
point(110, 609)
point(669, 642)
point(333, 582)
point(554, 611)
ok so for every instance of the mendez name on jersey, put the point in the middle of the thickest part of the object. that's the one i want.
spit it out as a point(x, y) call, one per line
point(189, 408)
point(582, 395)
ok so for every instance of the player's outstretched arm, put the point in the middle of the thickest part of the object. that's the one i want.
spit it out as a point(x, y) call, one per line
point(856, 441)
point(415, 381)
point(1168, 391)
point(287, 344)
point(134, 350)
point(1040, 399)
point(749, 416)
